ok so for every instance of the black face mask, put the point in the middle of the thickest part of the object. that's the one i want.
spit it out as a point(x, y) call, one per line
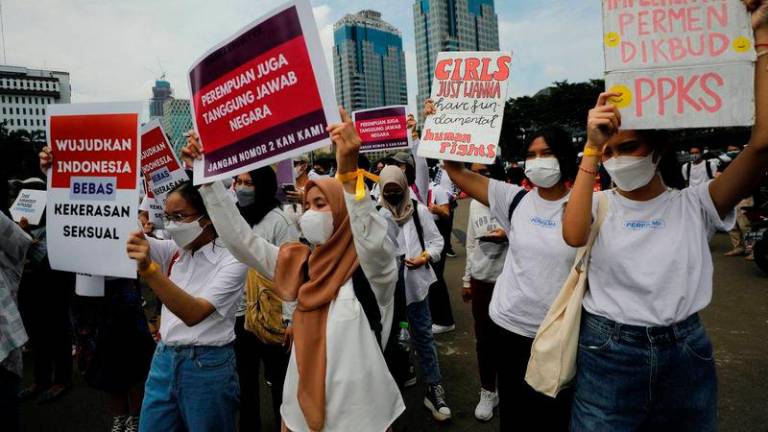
point(393, 198)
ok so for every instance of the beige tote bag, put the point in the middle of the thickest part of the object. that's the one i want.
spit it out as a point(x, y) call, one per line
point(552, 365)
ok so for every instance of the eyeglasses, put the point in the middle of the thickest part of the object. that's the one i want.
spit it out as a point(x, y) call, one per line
point(176, 218)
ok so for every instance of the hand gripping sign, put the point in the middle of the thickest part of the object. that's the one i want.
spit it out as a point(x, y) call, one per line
point(469, 90)
point(680, 64)
point(92, 187)
point(263, 95)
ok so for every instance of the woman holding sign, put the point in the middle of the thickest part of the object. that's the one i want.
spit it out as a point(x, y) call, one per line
point(337, 378)
point(644, 359)
point(536, 265)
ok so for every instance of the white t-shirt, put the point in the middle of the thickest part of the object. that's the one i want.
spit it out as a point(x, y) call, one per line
point(651, 264)
point(211, 273)
point(438, 196)
point(485, 260)
point(538, 260)
point(699, 172)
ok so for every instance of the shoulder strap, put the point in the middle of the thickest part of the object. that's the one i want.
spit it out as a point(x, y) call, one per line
point(419, 227)
point(515, 202)
point(174, 258)
point(688, 176)
point(584, 253)
point(709, 170)
point(367, 299)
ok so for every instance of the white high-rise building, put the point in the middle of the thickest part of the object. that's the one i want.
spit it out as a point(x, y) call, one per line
point(25, 93)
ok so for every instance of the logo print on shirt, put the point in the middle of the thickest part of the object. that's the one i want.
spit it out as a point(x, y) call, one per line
point(639, 225)
point(543, 222)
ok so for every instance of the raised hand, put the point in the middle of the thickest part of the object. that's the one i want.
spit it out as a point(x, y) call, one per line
point(603, 122)
point(429, 108)
point(759, 9)
point(46, 159)
point(138, 249)
point(193, 150)
point(347, 141)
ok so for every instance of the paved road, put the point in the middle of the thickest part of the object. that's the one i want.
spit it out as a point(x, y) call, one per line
point(737, 321)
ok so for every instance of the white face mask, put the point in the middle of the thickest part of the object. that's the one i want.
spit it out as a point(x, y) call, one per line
point(246, 195)
point(184, 233)
point(543, 172)
point(317, 226)
point(631, 172)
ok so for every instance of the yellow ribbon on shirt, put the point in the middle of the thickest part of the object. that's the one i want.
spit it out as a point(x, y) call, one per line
point(360, 175)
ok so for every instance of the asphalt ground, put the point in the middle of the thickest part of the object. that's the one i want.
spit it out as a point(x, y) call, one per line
point(737, 321)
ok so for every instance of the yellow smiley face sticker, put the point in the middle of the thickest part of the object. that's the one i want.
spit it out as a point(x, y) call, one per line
point(612, 40)
point(623, 101)
point(742, 44)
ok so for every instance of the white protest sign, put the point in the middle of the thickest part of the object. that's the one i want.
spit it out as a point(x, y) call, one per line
point(159, 163)
point(469, 90)
point(93, 191)
point(680, 64)
point(89, 285)
point(29, 204)
point(263, 95)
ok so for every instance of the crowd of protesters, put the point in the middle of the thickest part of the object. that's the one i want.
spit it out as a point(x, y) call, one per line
point(331, 288)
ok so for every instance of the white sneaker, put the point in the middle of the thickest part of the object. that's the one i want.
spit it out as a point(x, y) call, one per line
point(488, 401)
point(438, 329)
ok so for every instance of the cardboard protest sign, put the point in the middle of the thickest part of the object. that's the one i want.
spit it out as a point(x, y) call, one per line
point(681, 65)
point(159, 163)
point(92, 187)
point(263, 95)
point(152, 206)
point(29, 204)
point(469, 90)
point(382, 129)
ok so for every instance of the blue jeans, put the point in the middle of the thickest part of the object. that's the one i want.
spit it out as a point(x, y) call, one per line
point(633, 378)
point(420, 323)
point(191, 388)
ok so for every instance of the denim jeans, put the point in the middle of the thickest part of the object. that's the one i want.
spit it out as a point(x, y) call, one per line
point(192, 388)
point(420, 323)
point(632, 378)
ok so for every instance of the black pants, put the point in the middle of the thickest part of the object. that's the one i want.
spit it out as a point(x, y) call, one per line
point(44, 302)
point(521, 408)
point(398, 360)
point(439, 300)
point(9, 404)
point(250, 351)
point(486, 333)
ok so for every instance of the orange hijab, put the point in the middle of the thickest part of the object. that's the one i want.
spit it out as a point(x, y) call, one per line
point(314, 278)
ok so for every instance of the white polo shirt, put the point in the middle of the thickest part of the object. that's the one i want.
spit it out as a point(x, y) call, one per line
point(211, 273)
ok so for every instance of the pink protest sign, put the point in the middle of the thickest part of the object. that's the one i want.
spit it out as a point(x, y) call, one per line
point(680, 64)
point(383, 128)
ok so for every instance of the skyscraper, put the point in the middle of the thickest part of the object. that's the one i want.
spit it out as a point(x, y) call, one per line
point(161, 92)
point(25, 94)
point(368, 62)
point(450, 25)
point(177, 121)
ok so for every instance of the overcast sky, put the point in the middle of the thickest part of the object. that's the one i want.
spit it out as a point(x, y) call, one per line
point(115, 49)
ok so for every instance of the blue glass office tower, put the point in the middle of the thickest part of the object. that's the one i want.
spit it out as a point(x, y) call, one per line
point(450, 25)
point(368, 62)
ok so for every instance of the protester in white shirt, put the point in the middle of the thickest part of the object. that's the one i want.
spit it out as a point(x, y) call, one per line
point(337, 377)
point(699, 170)
point(420, 246)
point(486, 248)
point(256, 200)
point(644, 357)
point(192, 382)
point(536, 265)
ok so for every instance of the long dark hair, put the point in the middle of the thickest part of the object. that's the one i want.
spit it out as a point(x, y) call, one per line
point(265, 183)
point(561, 144)
point(660, 143)
point(192, 196)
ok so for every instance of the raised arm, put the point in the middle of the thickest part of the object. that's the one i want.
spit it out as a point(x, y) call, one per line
point(743, 175)
point(233, 230)
point(604, 121)
point(369, 229)
point(245, 245)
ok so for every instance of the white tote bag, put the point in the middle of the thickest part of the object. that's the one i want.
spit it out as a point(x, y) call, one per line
point(552, 365)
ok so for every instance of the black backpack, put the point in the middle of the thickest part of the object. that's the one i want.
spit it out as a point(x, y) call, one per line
point(515, 202)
